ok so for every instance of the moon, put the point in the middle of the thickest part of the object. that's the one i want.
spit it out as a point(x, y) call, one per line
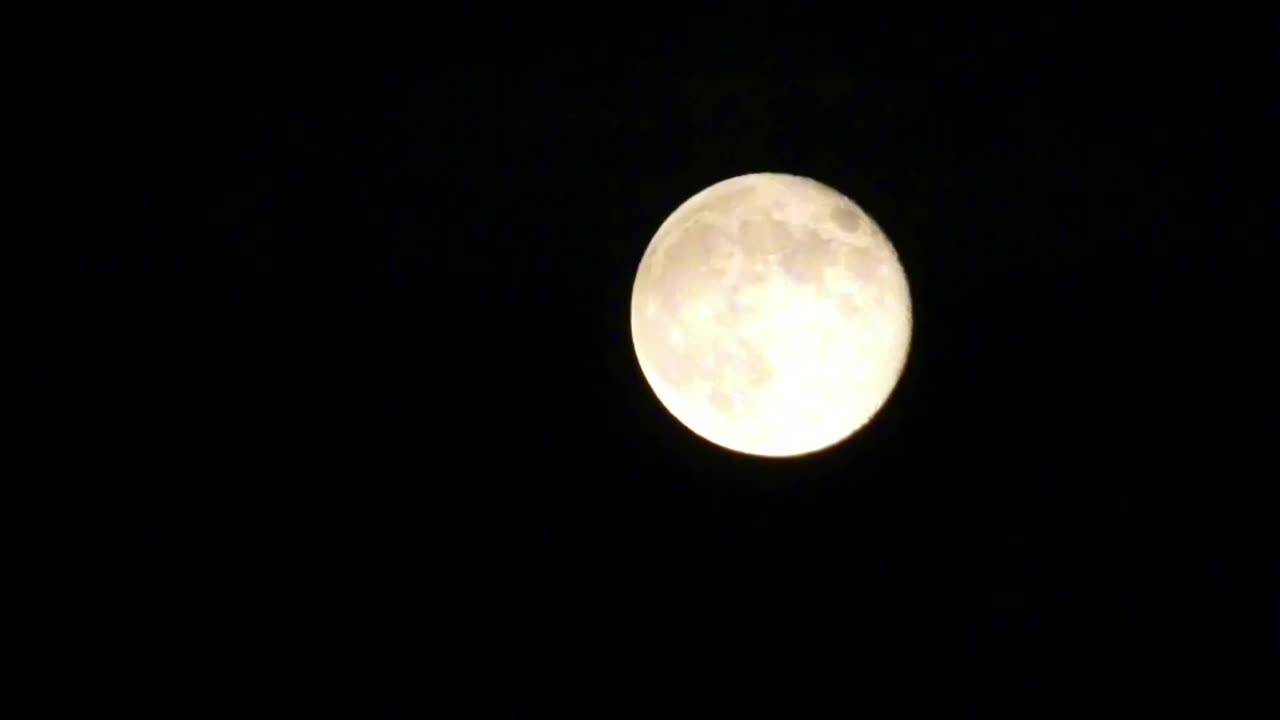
point(771, 315)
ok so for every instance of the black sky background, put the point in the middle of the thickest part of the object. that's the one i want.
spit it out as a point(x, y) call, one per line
point(339, 402)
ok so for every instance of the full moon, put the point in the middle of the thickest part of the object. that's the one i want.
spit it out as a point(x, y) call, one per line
point(771, 315)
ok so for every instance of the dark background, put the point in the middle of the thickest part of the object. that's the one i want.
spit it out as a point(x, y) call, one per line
point(338, 402)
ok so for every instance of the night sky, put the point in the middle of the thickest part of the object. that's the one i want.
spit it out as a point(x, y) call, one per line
point(340, 403)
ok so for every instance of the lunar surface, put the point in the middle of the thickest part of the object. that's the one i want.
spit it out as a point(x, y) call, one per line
point(771, 315)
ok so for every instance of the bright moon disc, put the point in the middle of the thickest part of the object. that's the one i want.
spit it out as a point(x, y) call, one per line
point(770, 315)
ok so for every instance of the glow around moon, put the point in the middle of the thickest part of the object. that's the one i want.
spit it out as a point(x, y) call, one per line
point(771, 315)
